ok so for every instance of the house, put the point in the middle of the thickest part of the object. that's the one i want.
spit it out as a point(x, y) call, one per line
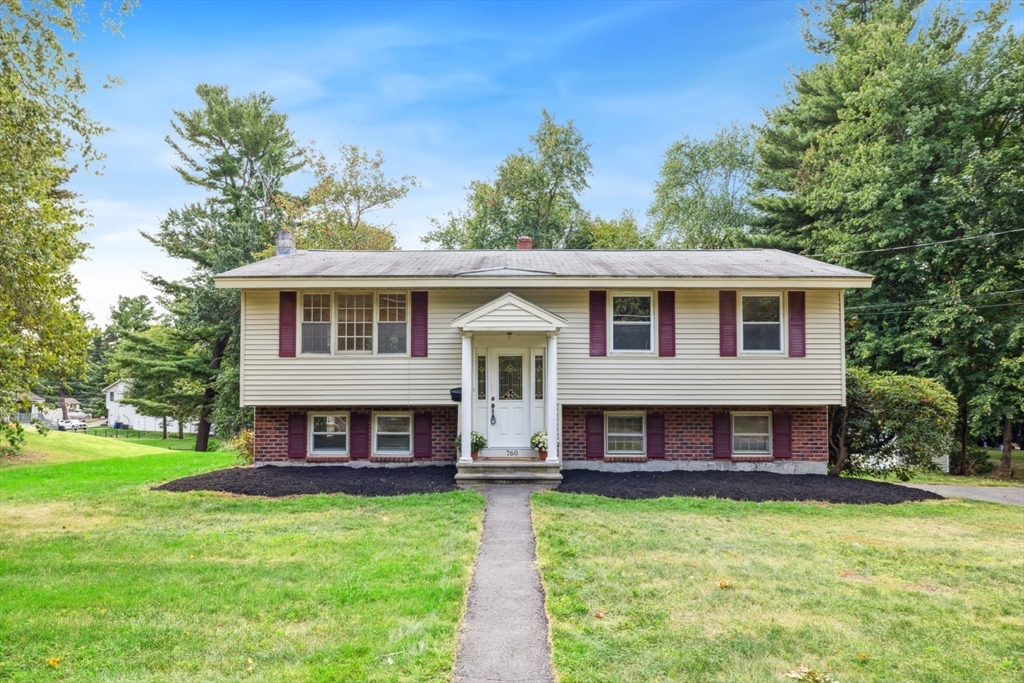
point(74, 407)
point(35, 404)
point(127, 415)
point(639, 360)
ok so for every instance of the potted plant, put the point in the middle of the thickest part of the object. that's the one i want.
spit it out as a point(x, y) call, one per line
point(477, 442)
point(539, 440)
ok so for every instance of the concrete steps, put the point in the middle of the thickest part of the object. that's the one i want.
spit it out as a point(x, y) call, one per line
point(507, 471)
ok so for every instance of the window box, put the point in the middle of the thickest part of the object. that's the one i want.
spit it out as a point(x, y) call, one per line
point(625, 434)
point(392, 434)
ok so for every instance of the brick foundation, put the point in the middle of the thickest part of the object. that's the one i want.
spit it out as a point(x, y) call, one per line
point(271, 432)
point(688, 432)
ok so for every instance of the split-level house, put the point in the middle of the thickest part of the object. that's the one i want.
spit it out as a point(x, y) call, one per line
point(636, 360)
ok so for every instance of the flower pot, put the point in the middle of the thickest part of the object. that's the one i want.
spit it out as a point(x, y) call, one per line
point(542, 453)
point(474, 454)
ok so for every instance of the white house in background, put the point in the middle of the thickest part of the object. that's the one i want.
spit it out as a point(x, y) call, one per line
point(74, 407)
point(36, 403)
point(124, 414)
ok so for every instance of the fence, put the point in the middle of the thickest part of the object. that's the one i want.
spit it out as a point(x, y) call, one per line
point(138, 434)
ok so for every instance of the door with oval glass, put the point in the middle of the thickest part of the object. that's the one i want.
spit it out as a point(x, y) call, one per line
point(508, 405)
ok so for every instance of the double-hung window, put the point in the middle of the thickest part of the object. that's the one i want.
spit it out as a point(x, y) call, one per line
point(632, 322)
point(752, 433)
point(392, 323)
point(316, 323)
point(761, 322)
point(355, 322)
point(624, 433)
point(328, 433)
point(392, 433)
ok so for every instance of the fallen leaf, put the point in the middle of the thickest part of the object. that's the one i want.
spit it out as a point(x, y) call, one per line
point(53, 662)
point(599, 615)
point(103, 611)
point(723, 584)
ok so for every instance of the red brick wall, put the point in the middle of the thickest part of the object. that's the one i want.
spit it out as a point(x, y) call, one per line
point(688, 430)
point(271, 427)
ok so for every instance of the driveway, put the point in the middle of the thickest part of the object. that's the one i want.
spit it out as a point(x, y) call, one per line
point(1008, 495)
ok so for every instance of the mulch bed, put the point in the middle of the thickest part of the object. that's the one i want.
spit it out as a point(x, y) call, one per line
point(750, 486)
point(275, 482)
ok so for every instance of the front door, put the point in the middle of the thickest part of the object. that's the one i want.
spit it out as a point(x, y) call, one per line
point(509, 407)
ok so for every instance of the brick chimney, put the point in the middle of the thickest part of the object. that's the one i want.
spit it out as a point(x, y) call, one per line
point(285, 242)
point(524, 242)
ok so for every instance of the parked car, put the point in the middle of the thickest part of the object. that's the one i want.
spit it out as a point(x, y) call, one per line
point(71, 425)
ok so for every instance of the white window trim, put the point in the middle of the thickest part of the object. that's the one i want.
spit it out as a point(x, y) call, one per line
point(626, 454)
point(309, 432)
point(732, 434)
point(408, 321)
point(300, 297)
point(336, 321)
point(611, 324)
point(782, 325)
point(412, 430)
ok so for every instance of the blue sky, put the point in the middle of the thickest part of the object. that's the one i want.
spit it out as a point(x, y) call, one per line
point(446, 90)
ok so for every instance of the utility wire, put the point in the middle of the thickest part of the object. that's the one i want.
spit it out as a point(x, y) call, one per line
point(932, 301)
point(920, 244)
point(936, 310)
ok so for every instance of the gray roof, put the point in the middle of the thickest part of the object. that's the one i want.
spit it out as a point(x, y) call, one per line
point(769, 263)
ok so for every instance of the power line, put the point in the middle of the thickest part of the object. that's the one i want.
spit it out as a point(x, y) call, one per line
point(919, 244)
point(937, 310)
point(932, 301)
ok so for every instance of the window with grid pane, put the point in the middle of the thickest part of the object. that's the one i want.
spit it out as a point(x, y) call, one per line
point(632, 323)
point(393, 433)
point(329, 433)
point(316, 323)
point(392, 323)
point(624, 434)
point(752, 433)
point(355, 322)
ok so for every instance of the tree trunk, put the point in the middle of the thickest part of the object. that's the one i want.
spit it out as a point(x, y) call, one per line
point(203, 432)
point(964, 433)
point(181, 430)
point(63, 403)
point(1006, 465)
point(165, 428)
point(841, 453)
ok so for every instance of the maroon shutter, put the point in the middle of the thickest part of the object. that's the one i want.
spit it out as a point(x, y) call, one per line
point(595, 435)
point(727, 323)
point(297, 434)
point(418, 347)
point(360, 447)
point(782, 435)
point(286, 325)
point(655, 435)
point(797, 324)
point(599, 323)
point(722, 435)
point(666, 323)
point(423, 440)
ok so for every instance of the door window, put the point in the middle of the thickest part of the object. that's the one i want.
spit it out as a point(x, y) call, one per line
point(510, 378)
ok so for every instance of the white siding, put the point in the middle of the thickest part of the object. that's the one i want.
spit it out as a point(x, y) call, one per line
point(697, 375)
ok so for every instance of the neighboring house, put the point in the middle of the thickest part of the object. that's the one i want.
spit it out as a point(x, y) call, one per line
point(35, 410)
point(74, 407)
point(646, 360)
point(127, 415)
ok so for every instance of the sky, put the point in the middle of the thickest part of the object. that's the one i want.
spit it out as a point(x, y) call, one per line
point(445, 90)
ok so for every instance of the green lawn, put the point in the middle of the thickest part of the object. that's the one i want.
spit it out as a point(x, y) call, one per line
point(151, 438)
point(994, 456)
point(916, 592)
point(121, 583)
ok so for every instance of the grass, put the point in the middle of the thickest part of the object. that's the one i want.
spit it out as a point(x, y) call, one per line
point(916, 592)
point(172, 441)
point(123, 583)
point(994, 456)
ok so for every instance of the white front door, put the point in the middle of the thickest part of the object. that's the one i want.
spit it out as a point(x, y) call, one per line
point(509, 413)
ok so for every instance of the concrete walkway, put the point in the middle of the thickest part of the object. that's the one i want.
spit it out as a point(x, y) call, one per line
point(1009, 495)
point(504, 635)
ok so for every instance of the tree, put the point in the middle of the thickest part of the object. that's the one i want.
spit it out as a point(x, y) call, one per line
point(335, 212)
point(702, 200)
point(617, 233)
point(42, 125)
point(899, 154)
point(239, 150)
point(536, 194)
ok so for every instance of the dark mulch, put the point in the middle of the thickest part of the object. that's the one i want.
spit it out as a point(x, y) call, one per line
point(275, 482)
point(753, 486)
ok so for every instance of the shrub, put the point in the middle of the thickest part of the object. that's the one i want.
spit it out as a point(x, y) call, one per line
point(892, 424)
point(977, 461)
point(244, 446)
point(477, 442)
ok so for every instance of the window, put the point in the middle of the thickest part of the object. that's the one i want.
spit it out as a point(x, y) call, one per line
point(355, 322)
point(632, 328)
point(329, 433)
point(624, 433)
point(538, 377)
point(111, 395)
point(761, 319)
point(316, 323)
point(481, 378)
point(392, 433)
point(510, 378)
point(752, 433)
point(392, 328)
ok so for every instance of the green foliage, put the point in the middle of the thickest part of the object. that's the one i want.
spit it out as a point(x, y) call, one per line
point(539, 440)
point(244, 446)
point(894, 424)
point(617, 233)
point(477, 442)
point(536, 194)
point(702, 200)
point(978, 462)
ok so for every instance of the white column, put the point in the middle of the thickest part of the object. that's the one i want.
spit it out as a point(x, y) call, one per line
point(551, 397)
point(466, 407)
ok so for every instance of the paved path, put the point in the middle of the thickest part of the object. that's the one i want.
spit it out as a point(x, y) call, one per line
point(1010, 495)
point(504, 635)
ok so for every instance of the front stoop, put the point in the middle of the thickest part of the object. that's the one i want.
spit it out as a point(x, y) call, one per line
point(508, 472)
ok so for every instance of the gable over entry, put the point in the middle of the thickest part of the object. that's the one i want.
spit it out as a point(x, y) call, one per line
point(509, 313)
